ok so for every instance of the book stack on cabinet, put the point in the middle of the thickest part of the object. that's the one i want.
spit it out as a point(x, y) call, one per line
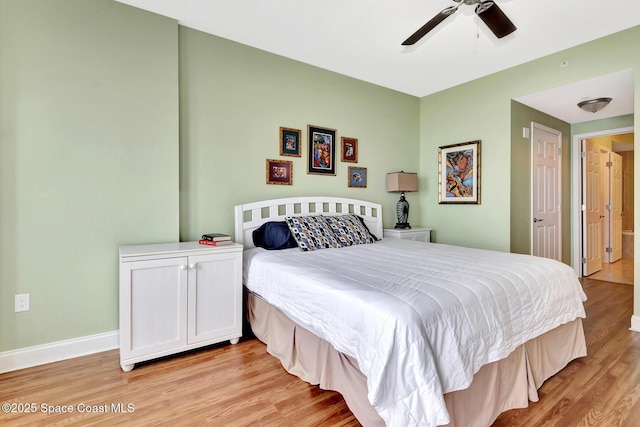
point(215, 239)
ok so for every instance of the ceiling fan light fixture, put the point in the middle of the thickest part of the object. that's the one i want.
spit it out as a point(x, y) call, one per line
point(594, 105)
point(495, 19)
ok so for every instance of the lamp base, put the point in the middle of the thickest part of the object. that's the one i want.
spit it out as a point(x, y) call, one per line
point(402, 225)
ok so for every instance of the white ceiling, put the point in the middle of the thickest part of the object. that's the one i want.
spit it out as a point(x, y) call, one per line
point(362, 39)
point(562, 102)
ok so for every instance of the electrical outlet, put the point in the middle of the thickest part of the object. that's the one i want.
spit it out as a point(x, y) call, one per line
point(22, 302)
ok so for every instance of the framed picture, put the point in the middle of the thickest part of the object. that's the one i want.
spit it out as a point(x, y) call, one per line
point(349, 150)
point(290, 142)
point(459, 173)
point(279, 172)
point(322, 151)
point(357, 177)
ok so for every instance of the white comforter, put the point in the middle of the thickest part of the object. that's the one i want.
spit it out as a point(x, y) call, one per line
point(419, 318)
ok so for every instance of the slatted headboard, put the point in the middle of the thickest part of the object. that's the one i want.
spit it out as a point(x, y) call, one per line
point(250, 216)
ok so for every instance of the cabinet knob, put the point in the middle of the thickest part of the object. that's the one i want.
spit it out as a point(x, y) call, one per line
point(192, 266)
point(183, 267)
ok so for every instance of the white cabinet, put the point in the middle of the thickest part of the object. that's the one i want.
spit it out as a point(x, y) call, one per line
point(176, 297)
point(416, 233)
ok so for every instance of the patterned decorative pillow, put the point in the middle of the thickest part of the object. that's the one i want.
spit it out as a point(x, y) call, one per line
point(350, 230)
point(312, 232)
point(340, 230)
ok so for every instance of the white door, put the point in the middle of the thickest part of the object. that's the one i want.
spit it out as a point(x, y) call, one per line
point(604, 204)
point(592, 205)
point(614, 208)
point(546, 154)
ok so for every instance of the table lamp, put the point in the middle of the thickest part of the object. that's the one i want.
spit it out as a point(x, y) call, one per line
point(402, 182)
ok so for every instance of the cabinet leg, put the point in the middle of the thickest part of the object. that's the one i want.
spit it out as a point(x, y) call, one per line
point(127, 367)
point(234, 340)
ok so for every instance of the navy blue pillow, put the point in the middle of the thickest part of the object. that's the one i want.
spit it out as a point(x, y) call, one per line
point(274, 235)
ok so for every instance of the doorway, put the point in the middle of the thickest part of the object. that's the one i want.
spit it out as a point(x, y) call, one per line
point(610, 235)
point(546, 192)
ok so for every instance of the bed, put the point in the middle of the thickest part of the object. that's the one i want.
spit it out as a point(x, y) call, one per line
point(410, 333)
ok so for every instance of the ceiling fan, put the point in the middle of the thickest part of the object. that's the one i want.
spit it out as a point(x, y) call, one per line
point(487, 10)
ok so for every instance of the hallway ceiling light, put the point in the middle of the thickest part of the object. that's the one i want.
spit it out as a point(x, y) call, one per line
point(594, 105)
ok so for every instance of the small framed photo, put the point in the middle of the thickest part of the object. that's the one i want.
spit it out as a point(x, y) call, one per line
point(322, 151)
point(349, 150)
point(290, 142)
point(357, 177)
point(459, 173)
point(279, 172)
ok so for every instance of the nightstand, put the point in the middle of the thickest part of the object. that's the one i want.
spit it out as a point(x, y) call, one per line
point(176, 297)
point(417, 233)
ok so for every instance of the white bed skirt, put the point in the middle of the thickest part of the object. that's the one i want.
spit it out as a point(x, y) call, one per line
point(506, 384)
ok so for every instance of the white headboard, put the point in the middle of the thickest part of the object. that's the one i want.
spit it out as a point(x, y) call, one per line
point(250, 216)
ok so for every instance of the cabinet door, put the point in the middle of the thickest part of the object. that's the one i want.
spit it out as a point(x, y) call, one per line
point(215, 297)
point(153, 304)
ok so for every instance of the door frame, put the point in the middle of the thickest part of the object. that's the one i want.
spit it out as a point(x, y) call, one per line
point(576, 190)
point(611, 218)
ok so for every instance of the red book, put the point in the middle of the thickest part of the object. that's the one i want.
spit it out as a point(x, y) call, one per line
point(211, 243)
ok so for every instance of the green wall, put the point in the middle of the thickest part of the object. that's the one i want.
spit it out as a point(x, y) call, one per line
point(466, 113)
point(482, 109)
point(89, 158)
point(602, 124)
point(118, 126)
point(233, 100)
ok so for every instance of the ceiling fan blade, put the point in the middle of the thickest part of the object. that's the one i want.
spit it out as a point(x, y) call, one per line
point(495, 19)
point(429, 26)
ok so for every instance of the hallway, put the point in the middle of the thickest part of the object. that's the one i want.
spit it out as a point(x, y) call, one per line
point(620, 271)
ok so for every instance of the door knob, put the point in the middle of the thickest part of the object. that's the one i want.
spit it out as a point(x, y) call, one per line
point(537, 219)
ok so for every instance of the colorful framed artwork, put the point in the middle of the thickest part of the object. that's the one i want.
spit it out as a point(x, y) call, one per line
point(357, 177)
point(279, 172)
point(459, 173)
point(349, 150)
point(322, 151)
point(290, 142)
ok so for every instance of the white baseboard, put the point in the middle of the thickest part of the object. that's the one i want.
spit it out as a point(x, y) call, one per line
point(635, 323)
point(40, 354)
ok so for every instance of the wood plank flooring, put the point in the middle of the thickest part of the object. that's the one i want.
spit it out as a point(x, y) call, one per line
point(620, 271)
point(242, 385)
point(603, 388)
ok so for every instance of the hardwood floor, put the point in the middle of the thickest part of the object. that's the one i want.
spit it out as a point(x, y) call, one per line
point(242, 385)
point(603, 388)
point(239, 385)
point(620, 271)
